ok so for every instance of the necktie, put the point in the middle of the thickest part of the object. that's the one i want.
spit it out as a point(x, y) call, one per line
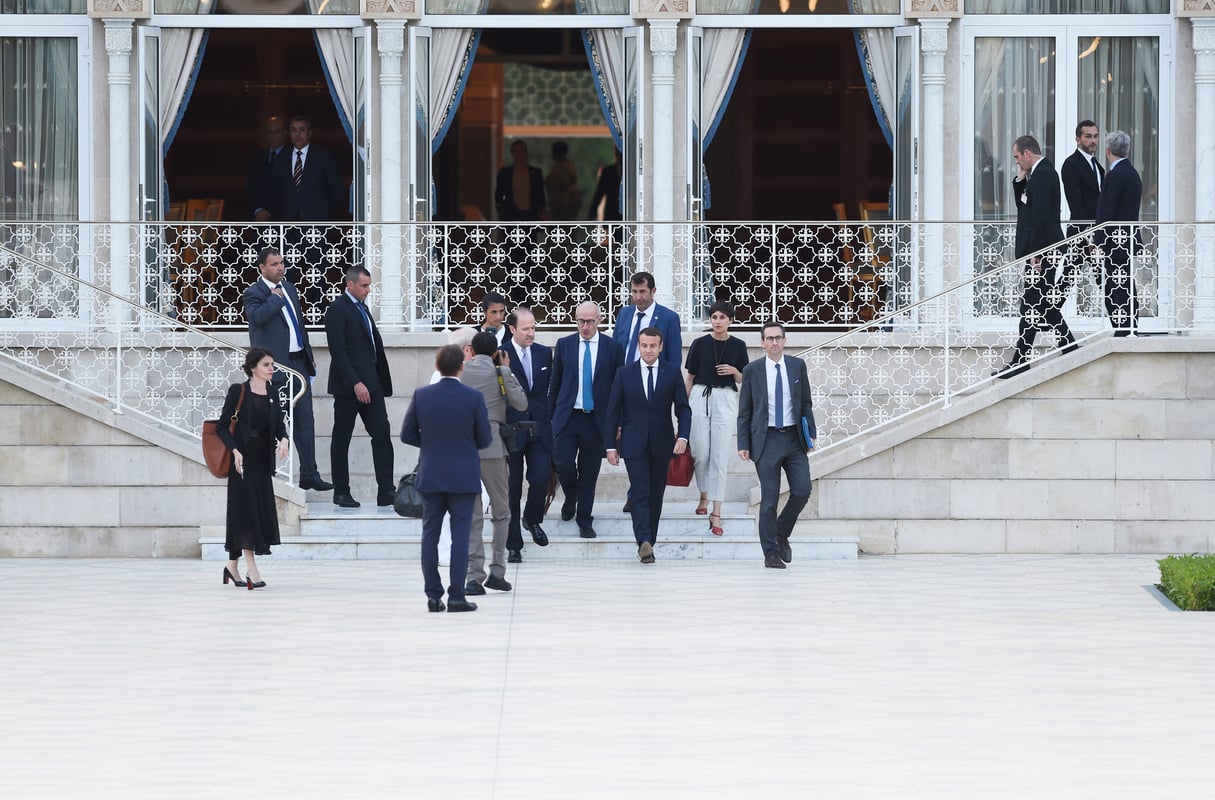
point(780, 399)
point(298, 173)
point(527, 366)
point(633, 338)
point(1097, 173)
point(650, 388)
point(295, 321)
point(367, 322)
point(588, 395)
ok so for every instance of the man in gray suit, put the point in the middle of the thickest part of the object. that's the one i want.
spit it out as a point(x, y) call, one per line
point(488, 371)
point(773, 406)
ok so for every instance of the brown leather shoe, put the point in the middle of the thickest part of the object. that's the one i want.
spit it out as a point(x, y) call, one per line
point(773, 560)
point(646, 552)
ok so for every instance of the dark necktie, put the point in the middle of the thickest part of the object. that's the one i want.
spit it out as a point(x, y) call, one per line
point(298, 173)
point(367, 322)
point(633, 339)
point(588, 394)
point(650, 389)
point(780, 399)
point(1097, 173)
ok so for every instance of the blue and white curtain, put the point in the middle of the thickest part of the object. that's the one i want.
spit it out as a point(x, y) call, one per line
point(722, 53)
point(181, 56)
point(875, 46)
point(605, 55)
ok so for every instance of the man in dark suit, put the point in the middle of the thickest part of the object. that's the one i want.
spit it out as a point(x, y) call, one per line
point(1120, 199)
point(262, 173)
point(584, 365)
point(532, 365)
point(275, 318)
point(359, 381)
point(519, 192)
point(1082, 177)
point(448, 422)
point(310, 185)
point(639, 407)
point(773, 405)
point(1036, 192)
point(644, 313)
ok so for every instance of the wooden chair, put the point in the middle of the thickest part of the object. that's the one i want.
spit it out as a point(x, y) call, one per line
point(177, 212)
point(868, 288)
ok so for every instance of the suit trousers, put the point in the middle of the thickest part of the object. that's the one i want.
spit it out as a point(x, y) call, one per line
point(375, 420)
point(435, 506)
point(647, 486)
point(303, 431)
point(1040, 301)
point(1120, 300)
point(782, 450)
point(539, 470)
point(714, 437)
point(494, 476)
point(578, 455)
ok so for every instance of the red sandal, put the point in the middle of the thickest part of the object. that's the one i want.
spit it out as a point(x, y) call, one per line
point(716, 530)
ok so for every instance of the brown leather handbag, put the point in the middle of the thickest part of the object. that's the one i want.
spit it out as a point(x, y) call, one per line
point(215, 452)
point(681, 468)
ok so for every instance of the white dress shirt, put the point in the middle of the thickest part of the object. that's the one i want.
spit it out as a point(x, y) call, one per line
point(770, 367)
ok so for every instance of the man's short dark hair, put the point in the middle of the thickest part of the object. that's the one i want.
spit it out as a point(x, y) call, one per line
point(1028, 144)
point(492, 299)
point(264, 254)
point(354, 273)
point(512, 319)
point(449, 359)
point(1085, 123)
point(640, 278)
point(484, 344)
point(650, 331)
point(300, 118)
point(772, 324)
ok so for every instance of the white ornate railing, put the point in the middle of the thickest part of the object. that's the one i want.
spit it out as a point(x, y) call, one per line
point(107, 347)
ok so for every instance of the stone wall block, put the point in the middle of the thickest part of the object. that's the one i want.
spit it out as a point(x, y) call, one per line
point(1099, 419)
point(1165, 500)
point(1189, 419)
point(169, 506)
point(1061, 459)
point(950, 536)
point(1163, 536)
point(1060, 536)
point(859, 499)
point(58, 506)
point(952, 458)
point(1011, 419)
point(1174, 459)
point(125, 466)
point(44, 425)
point(116, 542)
point(37, 466)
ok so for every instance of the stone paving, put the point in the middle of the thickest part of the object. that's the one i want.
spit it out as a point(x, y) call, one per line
point(884, 677)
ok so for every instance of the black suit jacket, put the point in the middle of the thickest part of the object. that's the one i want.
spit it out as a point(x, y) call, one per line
point(321, 194)
point(267, 326)
point(261, 182)
point(1081, 189)
point(645, 423)
point(1120, 199)
point(239, 438)
point(352, 358)
point(753, 402)
point(1039, 204)
point(563, 384)
point(504, 194)
point(538, 408)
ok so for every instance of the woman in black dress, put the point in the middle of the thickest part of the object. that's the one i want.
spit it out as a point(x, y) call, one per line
point(715, 363)
point(261, 433)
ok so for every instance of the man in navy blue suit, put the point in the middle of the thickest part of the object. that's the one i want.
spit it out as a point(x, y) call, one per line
point(532, 364)
point(359, 380)
point(276, 323)
point(1121, 195)
point(639, 407)
point(584, 365)
point(261, 184)
point(310, 185)
point(645, 313)
point(449, 424)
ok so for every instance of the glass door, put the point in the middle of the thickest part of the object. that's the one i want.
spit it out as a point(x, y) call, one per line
point(360, 189)
point(156, 280)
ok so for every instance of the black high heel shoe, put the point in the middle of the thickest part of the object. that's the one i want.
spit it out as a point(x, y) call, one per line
point(249, 583)
point(228, 576)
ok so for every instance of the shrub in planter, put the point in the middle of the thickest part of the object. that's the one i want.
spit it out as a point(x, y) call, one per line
point(1189, 581)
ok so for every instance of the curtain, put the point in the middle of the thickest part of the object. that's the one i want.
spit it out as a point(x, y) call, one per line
point(605, 54)
point(721, 59)
point(875, 46)
point(181, 55)
point(451, 59)
point(336, 49)
point(39, 129)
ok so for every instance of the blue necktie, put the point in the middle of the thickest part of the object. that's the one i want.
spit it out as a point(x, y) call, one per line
point(632, 356)
point(650, 389)
point(367, 321)
point(780, 399)
point(588, 395)
point(295, 321)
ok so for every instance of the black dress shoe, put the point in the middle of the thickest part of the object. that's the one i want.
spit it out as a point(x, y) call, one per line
point(316, 484)
point(381, 502)
point(460, 605)
point(472, 587)
point(434, 604)
point(568, 509)
point(514, 557)
point(586, 531)
point(498, 584)
point(1071, 348)
point(773, 560)
point(345, 501)
point(783, 549)
point(538, 534)
point(628, 506)
point(1011, 370)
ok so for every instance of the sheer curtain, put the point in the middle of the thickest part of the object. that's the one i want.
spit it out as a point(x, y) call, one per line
point(605, 54)
point(875, 46)
point(336, 49)
point(39, 129)
point(451, 59)
point(722, 56)
point(181, 54)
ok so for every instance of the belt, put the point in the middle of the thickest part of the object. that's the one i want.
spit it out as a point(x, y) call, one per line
point(583, 411)
point(785, 429)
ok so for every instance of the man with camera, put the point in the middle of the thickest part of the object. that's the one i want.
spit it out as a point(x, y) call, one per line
point(532, 364)
point(489, 372)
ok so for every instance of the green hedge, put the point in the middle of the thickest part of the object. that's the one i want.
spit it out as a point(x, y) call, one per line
point(1189, 581)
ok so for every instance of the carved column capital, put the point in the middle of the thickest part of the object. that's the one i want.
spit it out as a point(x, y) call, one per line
point(390, 9)
point(663, 37)
point(1196, 8)
point(125, 9)
point(930, 9)
point(662, 9)
point(1204, 35)
point(119, 37)
point(390, 37)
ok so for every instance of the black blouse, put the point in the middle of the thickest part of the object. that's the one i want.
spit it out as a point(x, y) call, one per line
point(706, 353)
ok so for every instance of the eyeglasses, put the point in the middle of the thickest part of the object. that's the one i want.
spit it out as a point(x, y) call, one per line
point(773, 338)
point(587, 321)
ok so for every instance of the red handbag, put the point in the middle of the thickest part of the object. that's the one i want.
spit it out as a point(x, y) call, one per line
point(679, 471)
point(215, 452)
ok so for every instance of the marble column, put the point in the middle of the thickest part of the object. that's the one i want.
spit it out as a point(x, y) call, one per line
point(934, 42)
point(390, 43)
point(1204, 178)
point(119, 34)
point(663, 43)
